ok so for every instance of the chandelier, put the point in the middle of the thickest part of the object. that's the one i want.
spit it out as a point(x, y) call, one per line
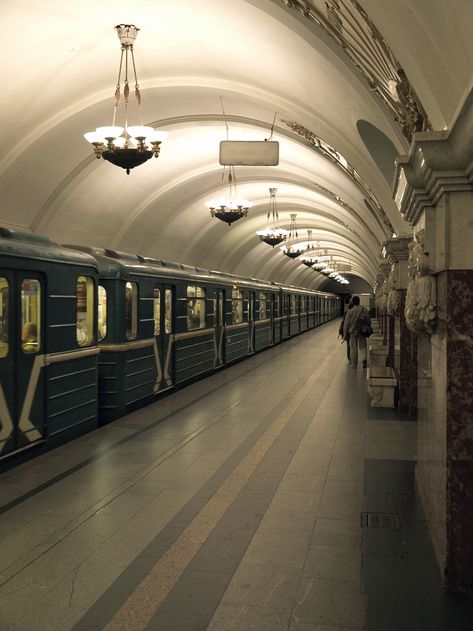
point(292, 249)
point(330, 270)
point(274, 235)
point(126, 147)
point(311, 258)
point(233, 208)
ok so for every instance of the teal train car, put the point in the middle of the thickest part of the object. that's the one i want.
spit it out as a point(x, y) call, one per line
point(48, 345)
point(88, 335)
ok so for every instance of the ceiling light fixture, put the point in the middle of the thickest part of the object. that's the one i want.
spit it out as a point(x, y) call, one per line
point(274, 235)
point(232, 209)
point(293, 249)
point(126, 147)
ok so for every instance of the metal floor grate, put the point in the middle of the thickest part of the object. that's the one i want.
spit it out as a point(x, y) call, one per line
point(381, 520)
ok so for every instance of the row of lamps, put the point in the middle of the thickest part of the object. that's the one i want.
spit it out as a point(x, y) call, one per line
point(130, 146)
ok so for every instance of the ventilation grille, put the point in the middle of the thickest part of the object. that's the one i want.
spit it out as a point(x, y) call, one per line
point(381, 520)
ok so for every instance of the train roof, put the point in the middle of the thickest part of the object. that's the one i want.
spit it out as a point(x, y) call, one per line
point(115, 264)
point(26, 245)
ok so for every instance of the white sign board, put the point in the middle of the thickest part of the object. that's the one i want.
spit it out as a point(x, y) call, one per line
point(249, 153)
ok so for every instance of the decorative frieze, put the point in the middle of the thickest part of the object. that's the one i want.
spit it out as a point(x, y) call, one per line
point(333, 156)
point(350, 26)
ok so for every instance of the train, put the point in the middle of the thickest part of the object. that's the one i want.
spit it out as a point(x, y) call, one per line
point(88, 335)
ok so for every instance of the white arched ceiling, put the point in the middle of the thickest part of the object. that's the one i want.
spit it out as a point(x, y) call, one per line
point(59, 67)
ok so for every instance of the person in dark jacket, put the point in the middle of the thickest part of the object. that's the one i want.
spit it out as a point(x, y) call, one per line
point(357, 341)
point(346, 338)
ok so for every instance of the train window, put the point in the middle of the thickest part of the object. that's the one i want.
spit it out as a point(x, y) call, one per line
point(168, 311)
point(4, 291)
point(131, 311)
point(293, 304)
point(84, 310)
point(237, 306)
point(157, 310)
point(102, 313)
point(262, 305)
point(195, 307)
point(30, 315)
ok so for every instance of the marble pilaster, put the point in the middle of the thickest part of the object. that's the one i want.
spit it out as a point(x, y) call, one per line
point(434, 191)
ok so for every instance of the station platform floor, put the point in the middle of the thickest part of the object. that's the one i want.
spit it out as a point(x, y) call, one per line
point(267, 497)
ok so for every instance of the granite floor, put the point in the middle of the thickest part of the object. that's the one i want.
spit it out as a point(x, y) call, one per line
point(269, 496)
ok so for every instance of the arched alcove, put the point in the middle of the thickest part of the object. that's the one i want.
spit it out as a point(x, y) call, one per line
point(381, 149)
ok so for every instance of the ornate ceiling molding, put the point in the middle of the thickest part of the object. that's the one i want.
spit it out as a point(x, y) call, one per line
point(331, 154)
point(350, 26)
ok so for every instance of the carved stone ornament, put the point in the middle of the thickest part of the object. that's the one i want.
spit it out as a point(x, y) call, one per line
point(382, 296)
point(332, 155)
point(393, 302)
point(350, 26)
point(421, 297)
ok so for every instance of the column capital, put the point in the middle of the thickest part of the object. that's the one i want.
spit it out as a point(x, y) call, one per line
point(397, 249)
point(438, 162)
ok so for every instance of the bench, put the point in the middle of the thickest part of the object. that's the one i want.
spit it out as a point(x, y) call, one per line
point(377, 352)
point(381, 386)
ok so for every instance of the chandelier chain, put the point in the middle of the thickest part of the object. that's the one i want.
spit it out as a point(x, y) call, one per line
point(137, 87)
point(117, 89)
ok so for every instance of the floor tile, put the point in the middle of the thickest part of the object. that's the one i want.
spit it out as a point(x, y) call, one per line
point(263, 586)
point(334, 563)
point(336, 603)
point(236, 617)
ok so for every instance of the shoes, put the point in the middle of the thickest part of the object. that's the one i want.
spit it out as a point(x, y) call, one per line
point(364, 363)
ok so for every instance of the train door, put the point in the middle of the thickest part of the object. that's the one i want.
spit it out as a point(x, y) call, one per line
point(285, 315)
point(219, 326)
point(251, 321)
point(272, 316)
point(22, 397)
point(164, 334)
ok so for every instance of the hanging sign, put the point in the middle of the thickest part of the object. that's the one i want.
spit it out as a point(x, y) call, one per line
point(249, 153)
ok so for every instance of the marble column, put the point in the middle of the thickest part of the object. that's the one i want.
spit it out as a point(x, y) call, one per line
point(434, 192)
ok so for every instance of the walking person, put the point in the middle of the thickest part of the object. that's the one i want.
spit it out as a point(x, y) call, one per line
point(346, 338)
point(350, 328)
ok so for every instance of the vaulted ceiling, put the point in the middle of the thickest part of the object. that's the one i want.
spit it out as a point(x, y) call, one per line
point(316, 68)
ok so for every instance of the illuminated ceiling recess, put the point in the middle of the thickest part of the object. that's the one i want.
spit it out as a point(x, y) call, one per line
point(232, 208)
point(126, 147)
point(273, 235)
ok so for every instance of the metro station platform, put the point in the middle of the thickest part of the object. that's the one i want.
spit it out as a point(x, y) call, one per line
point(268, 497)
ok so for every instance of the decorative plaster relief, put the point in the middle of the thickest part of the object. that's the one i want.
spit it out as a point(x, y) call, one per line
point(421, 299)
point(333, 156)
point(350, 26)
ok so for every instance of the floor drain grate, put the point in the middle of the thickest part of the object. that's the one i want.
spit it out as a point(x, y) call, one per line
point(381, 520)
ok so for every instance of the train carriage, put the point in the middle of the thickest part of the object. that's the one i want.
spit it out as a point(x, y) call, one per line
point(48, 346)
point(89, 334)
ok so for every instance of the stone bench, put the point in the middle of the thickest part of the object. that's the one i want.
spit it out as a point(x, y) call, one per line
point(381, 386)
point(377, 353)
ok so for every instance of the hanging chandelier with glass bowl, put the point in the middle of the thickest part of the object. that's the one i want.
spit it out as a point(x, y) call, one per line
point(292, 249)
point(274, 234)
point(311, 257)
point(232, 208)
point(129, 146)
